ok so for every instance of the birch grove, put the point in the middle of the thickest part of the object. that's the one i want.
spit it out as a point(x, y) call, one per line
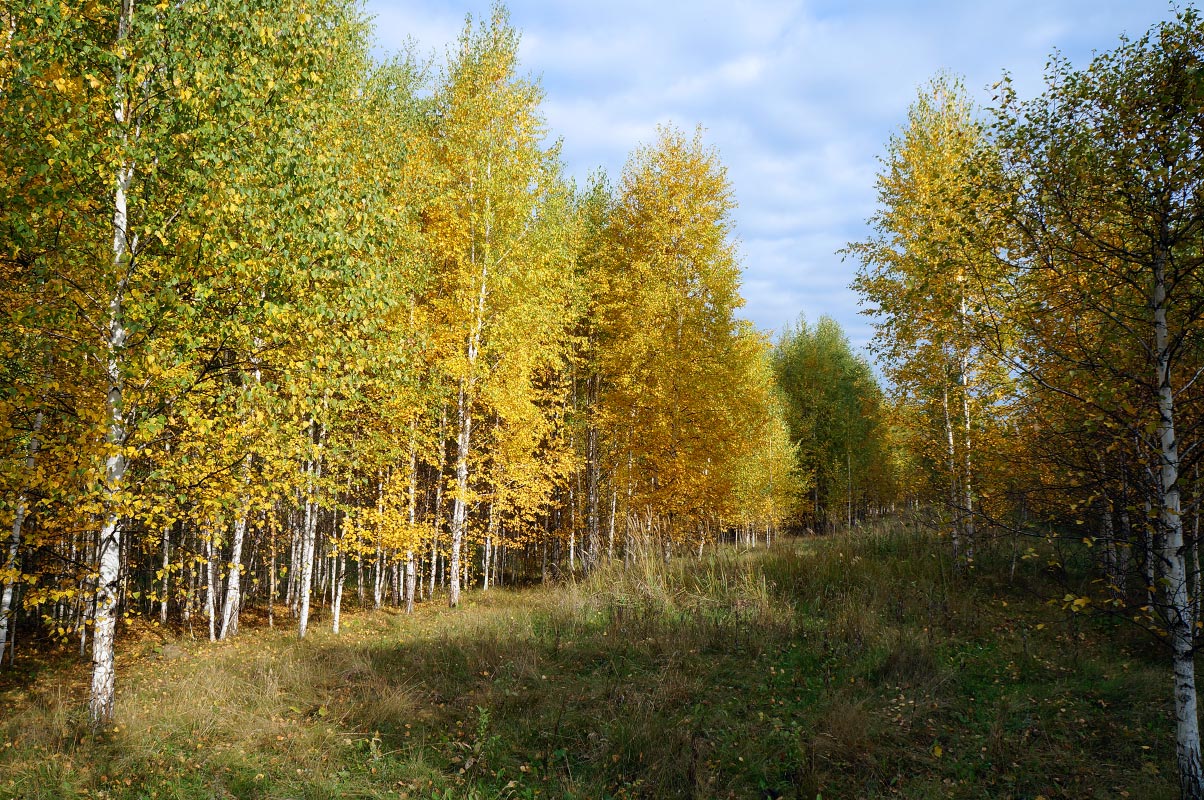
point(326, 332)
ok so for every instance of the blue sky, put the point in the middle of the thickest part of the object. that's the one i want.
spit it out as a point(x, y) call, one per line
point(799, 97)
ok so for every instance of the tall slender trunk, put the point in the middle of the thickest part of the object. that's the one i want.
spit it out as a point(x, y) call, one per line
point(459, 506)
point(1194, 547)
point(1108, 535)
point(1152, 538)
point(109, 546)
point(610, 541)
point(211, 579)
point(593, 515)
point(499, 554)
point(464, 408)
point(1172, 555)
point(165, 584)
point(359, 579)
point(572, 524)
point(490, 532)
point(438, 520)
point(629, 513)
point(233, 602)
point(411, 577)
point(952, 465)
point(967, 465)
point(271, 529)
point(324, 563)
point(12, 560)
point(338, 565)
point(336, 604)
point(308, 544)
point(378, 580)
point(234, 581)
point(100, 706)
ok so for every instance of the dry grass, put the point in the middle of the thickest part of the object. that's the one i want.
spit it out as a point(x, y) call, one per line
point(853, 666)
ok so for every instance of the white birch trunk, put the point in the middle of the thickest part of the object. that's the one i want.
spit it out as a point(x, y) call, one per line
point(459, 506)
point(610, 541)
point(308, 542)
point(952, 456)
point(490, 531)
point(1150, 532)
point(234, 581)
point(464, 417)
point(1173, 557)
point(967, 466)
point(100, 706)
point(485, 565)
point(210, 585)
point(271, 529)
point(411, 574)
point(165, 586)
point(411, 581)
point(340, 565)
point(378, 580)
point(572, 526)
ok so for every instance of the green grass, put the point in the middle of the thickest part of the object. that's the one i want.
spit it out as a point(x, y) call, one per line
point(844, 667)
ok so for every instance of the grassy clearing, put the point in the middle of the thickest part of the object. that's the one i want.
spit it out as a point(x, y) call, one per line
point(851, 666)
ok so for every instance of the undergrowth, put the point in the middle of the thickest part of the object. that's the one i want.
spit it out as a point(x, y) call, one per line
point(849, 666)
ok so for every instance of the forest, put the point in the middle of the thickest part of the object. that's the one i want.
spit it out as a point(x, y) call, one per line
point(302, 343)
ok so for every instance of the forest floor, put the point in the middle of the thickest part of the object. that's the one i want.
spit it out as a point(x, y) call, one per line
point(846, 666)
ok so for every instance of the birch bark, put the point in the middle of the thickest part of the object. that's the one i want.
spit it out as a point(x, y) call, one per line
point(234, 581)
point(1172, 553)
point(464, 441)
point(411, 576)
point(308, 544)
point(100, 706)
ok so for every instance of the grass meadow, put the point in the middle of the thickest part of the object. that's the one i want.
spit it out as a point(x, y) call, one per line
point(848, 666)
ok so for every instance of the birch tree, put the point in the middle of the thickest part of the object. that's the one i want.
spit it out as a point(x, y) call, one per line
point(666, 322)
point(929, 271)
point(483, 229)
point(1106, 173)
